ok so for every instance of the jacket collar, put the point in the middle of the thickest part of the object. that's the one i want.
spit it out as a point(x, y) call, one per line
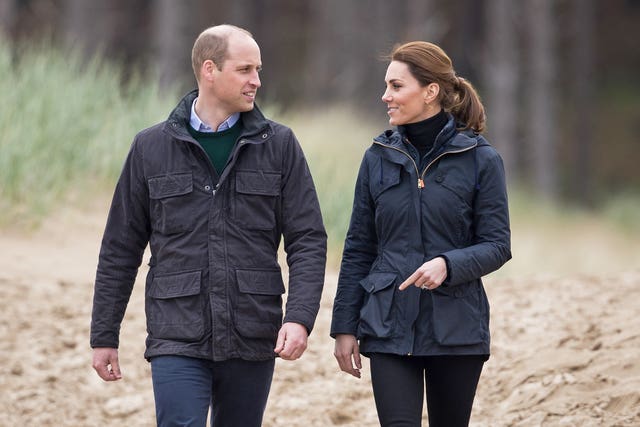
point(253, 122)
point(449, 138)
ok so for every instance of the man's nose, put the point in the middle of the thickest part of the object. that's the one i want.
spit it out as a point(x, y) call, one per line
point(255, 80)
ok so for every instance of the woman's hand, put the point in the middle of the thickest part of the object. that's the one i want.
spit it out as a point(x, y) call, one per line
point(347, 353)
point(429, 275)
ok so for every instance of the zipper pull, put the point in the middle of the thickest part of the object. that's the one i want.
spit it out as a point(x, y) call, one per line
point(420, 183)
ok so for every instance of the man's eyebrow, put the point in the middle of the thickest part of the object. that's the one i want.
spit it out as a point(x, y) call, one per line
point(248, 64)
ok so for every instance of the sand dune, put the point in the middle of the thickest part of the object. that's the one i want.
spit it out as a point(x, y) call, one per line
point(566, 347)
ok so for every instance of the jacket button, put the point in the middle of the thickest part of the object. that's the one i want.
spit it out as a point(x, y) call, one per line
point(439, 179)
point(207, 187)
point(264, 136)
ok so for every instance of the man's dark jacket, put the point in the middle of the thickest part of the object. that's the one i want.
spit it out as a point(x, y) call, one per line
point(460, 214)
point(214, 289)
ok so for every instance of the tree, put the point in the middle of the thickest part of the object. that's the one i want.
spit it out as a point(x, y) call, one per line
point(542, 127)
point(172, 39)
point(582, 97)
point(501, 79)
point(7, 16)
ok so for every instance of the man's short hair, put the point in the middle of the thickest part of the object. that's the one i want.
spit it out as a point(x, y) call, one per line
point(212, 44)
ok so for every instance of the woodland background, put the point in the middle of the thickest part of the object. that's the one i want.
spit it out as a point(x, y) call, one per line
point(559, 77)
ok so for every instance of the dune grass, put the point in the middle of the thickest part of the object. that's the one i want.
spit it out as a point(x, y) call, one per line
point(65, 127)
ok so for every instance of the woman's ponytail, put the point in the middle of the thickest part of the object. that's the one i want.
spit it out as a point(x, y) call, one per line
point(468, 108)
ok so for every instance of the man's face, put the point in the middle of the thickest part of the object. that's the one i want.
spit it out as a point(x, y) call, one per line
point(236, 85)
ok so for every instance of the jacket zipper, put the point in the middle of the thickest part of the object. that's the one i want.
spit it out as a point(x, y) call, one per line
point(420, 180)
point(421, 176)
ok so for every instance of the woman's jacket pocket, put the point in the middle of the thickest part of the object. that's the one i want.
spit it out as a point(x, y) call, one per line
point(258, 311)
point(175, 308)
point(384, 176)
point(170, 196)
point(460, 315)
point(376, 319)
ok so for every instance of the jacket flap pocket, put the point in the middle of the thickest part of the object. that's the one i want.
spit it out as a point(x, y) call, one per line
point(258, 182)
point(170, 185)
point(375, 282)
point(260, 282)
point(176, 285)
point(386, 177)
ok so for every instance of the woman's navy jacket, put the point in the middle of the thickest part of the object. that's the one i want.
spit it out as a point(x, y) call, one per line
point(451, 205)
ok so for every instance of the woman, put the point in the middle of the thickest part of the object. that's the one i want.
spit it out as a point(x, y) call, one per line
point(429, 219)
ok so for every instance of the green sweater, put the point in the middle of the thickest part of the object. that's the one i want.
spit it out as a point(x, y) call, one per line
point(218, 145)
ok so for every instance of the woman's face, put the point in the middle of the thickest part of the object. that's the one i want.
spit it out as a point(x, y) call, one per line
point(407, 101)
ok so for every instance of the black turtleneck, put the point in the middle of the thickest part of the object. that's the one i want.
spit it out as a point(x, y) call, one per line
point(422, 135)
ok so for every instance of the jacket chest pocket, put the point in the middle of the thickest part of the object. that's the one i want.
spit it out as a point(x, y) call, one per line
point(384, 177)
point(170, 195)
point(255, 198)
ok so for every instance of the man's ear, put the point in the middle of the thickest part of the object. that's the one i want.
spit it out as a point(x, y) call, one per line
point(208, 70)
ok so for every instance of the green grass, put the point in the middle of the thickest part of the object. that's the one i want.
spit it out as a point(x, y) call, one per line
point(65, 127)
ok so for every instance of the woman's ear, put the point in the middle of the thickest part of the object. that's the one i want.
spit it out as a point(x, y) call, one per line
point(431, 92)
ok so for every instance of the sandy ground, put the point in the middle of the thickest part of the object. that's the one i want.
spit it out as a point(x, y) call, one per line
point(565, 326)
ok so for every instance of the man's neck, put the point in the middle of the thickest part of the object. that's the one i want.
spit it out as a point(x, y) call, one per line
point(210, 113)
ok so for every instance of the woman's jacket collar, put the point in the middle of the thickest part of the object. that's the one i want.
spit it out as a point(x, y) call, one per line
point(449, 138)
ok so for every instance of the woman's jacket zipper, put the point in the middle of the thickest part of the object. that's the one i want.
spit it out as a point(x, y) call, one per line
point(418, 174)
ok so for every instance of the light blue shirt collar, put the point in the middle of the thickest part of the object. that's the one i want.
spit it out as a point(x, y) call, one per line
point(201, 126)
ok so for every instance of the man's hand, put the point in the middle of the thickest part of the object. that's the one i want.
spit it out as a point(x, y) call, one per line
point(105, 362)
point(347, 353)
point(292, 341)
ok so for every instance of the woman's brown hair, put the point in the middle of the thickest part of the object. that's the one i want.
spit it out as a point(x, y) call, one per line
point(428, 63)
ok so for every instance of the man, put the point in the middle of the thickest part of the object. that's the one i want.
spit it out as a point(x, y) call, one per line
point(213, 190)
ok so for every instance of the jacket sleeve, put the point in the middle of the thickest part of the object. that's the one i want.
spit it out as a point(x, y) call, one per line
point(125, 237)
point(360, 251)
point(305, 239)
point(491, 246)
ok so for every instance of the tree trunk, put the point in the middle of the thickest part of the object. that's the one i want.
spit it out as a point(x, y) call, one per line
point(582, 66)
point(173, 41)
point(542, 97)
point(7, 17)
point(501, 80)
